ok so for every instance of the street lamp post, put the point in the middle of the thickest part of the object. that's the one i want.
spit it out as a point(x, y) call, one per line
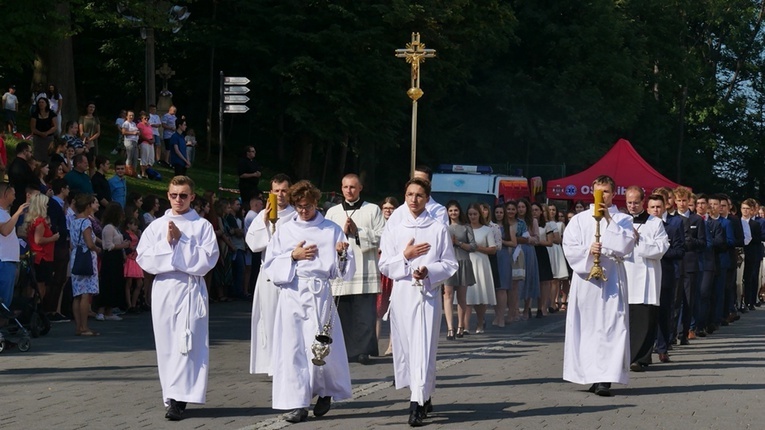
point(415, 53)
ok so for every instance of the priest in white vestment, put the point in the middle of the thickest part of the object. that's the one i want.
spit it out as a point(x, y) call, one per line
point(417, 255)
point(266, 294)
point(643, 266)
point(363, 224)
point(179, 249)
point(596, 349)
point(303, 257)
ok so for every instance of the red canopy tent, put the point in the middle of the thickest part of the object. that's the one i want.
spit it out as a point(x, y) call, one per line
point(622, 163)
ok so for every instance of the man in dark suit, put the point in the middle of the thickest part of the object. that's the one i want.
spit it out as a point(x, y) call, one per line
point(57, 215)
point(703, 323)
point(695, 242)
point(729, 306)
point(753, 252)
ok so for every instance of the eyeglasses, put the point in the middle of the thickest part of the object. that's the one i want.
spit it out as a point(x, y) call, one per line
point(305, 208)
point(182, 196)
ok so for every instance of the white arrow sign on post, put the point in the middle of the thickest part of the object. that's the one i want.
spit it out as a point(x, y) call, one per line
point(235, 109)
point(235, 80)
point(228, 98)
point(235, 90)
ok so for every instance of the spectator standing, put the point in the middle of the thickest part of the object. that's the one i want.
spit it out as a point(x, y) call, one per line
point(56, 103)
point(118, 183)
point(112, 271)
point(463, 242)
point(249, 174)
point(118, 122)
point(130, 136)
point(178, 158)
point(146, 137)
point(528, 237)
point(90, 131)
point(191, 145)
point(10, 108)
point(235, 230)
point(155, 122)
point(168, 128)
point(20, 174)
point(101, 184)
point(57, 214)
point(388, 205)
point(83, 238)
point(42, 122)
point(41, 241)
point(9, 242)
point(132, 271)
point(77, 178)
point(481, 294)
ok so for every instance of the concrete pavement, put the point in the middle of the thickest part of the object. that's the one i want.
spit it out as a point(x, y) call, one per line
point(506, 378)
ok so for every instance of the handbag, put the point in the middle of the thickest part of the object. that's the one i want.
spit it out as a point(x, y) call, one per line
point(83, 262)
point(519, 264)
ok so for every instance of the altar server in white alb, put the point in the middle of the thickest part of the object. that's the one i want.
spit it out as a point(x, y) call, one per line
point(417, 255)
point(643, 268)
point(432, 207)
point(596, 348)
point(363, 224)
point(266, 294)
point(305, 254)
point(179, 249)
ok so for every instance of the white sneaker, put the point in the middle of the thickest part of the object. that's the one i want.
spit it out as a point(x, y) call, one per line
point(114, 318)
point(99, 317)
point(139, 176)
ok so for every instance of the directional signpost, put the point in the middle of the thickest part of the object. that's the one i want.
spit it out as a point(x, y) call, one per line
point(232, 100)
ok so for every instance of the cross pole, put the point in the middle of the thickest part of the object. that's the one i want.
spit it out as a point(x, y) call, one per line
point(415, 53)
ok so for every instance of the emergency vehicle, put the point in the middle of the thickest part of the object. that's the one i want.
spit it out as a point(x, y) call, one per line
point(479, 184)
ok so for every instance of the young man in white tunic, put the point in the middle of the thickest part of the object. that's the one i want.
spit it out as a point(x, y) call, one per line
point(363, 223)
point(432, 207)
point(417, 255)
point(179, 249)
point(596, 348)
point(304, 255)
point(266, 294)
point(644, 272)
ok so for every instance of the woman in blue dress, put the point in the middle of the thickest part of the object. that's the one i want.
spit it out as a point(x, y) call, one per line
point(83, 237)
point(528, 236)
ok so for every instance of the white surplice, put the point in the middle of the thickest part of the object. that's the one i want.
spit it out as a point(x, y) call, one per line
point(179, 302)
point(415, 311)
point(597, 347)
point(643, 264)
point(436, 210)
point(370, 223)
point(304, 297)
point(265, 295)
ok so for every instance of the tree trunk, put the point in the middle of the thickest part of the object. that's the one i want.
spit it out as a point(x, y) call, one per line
point(302, 160)
point(56, 65)
point(343, 157)
point(211, 90)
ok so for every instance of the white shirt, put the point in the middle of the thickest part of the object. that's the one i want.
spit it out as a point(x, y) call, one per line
point(9, 245)
point(154, 119)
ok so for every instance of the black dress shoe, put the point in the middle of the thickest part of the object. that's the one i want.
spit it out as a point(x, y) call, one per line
point(428, 407)
point(752, 308)
point(173, 413)
point(684, 341)
point(296, 415)
point(363, 359)
point(181, 406)
point(636, 367)
point(322, 406)
point(603, 389)
point(593, 387)
point(416, 415)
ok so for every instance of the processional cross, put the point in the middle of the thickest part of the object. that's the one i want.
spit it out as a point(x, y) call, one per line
point(415, 53)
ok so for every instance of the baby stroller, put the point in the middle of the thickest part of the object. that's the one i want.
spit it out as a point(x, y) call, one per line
point(32, 317)
point(14, 334)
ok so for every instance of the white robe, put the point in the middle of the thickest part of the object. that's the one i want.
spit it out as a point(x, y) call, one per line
point(304, 294)
point(371, 223)
point(179, 301)
point(415, 312)
point(436, 210)
point(265, 295)
point(643, 264)
point(597, 347)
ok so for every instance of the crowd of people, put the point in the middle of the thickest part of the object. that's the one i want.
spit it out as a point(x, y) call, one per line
point(685, 264)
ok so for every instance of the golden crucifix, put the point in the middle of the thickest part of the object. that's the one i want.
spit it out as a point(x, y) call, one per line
point(415, 53)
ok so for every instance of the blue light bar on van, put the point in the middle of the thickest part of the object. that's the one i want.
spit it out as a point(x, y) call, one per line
point(462, 168)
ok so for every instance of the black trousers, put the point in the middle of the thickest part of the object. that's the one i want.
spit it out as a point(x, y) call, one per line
point(705, 310)
point(684, 299)
point(729, 301)
point(180, 170)
point(358, 315)
point(663, 336)
point(751, 279)
point(60, 266)
point(643, 325)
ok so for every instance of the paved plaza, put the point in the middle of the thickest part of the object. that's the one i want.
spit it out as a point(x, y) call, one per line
point(506, 378)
